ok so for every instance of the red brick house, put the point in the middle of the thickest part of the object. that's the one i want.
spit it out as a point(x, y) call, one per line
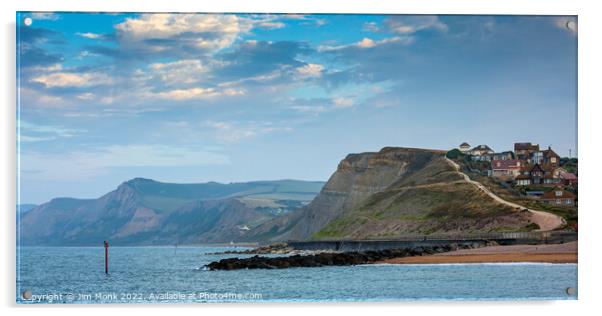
point(568, 178)
point(559, 197)
point(506, 169)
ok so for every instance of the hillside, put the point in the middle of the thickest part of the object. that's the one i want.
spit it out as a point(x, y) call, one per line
point(143, 211)
point(399, 191)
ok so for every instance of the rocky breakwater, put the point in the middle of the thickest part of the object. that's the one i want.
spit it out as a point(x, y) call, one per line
point(332, 259)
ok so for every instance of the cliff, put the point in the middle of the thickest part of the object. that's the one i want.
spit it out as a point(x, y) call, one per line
point(146, 212)
point(399, 191)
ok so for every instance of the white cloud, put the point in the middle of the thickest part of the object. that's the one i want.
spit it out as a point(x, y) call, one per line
point(310, 70)
point(32, 139)
point(270, 25)
point(211, 31)
point(30, 132)
point(370, 27)
point(86, 96)
point(181, 71)
point(232, 132)
point(30, 97)
point(71, 79)
point(369, 43)
point(197, 93)
point(405, 24)
point(90, 35)
point(309, 109)
point(366, 43)
point(342, 102)
point(44, 16)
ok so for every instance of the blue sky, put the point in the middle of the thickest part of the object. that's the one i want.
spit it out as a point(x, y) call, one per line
point(194, 97)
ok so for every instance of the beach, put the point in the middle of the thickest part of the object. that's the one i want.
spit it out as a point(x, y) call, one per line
point(553, 253)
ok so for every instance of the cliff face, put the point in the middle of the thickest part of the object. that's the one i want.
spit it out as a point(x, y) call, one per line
point(143, 212)
point(400, 191)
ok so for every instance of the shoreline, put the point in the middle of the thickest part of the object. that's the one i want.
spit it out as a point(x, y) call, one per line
point(558, 253)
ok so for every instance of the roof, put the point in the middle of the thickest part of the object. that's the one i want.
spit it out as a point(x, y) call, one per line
point(568, 176)
point(523, 177)
point(551, 195)
point(482, 147)
point(536, 167)
point(505, 164)
point(550, 153)
point(464, 144)
point(525, 146)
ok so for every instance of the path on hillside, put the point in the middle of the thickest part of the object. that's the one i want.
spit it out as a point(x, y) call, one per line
point(546, 221)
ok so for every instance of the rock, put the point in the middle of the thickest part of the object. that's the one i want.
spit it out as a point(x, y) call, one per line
point(321, 259)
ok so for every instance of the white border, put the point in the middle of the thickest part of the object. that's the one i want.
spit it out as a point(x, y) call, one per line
point(589, 147)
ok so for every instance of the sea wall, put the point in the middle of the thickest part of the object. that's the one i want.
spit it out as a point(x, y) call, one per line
point(526, 238)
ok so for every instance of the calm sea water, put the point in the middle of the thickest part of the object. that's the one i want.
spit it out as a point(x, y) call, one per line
point(167, 275)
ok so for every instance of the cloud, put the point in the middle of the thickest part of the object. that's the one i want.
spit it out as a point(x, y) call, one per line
point(342, 102)
point(72, 79)
point(44, 16)
point(180, 34)
point(255, 58)
point(181, 71)
point(90, 35)
point(312, 109)
point(233, 132)
point(77, 165)
point(198, 93)
point(30, 132)
point(310, 70)
point(370, 27)
point(31, 54)
point(307, 19)
point(270, 25)
point(406, 24)
point(368, 43)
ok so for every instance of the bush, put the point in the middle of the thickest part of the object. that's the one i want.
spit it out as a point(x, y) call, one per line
point(454, 154)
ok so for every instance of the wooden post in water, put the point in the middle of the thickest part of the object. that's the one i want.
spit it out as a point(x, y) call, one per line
point(106, 257)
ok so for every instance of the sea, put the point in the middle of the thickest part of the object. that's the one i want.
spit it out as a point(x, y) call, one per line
point(167, 275)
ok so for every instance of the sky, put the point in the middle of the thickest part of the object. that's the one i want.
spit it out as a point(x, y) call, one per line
point(189, 98)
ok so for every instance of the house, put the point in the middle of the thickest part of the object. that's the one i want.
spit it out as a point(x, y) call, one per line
point(558, 197)
point(568, 178)
point(550, 157)
point(549, 179)
point(506, 169)
point(523, 180)
point(536, 173)
point(481, 153)
point(523, 151)
point(536, 157)
point(505, 155)
point(464, 147)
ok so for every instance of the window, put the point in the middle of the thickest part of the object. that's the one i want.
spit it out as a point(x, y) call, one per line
point(558, 193)
point(558, 201)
